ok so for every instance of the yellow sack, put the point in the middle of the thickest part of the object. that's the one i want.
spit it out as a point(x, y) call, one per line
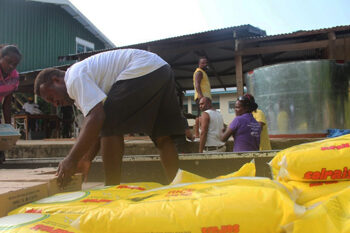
point(26, 223)
point(186, 177)
point(322, 199)
point(309, 191)
point(247, 170)
point(324, 160)
point(82, 201)
point(182, 176)
point(227, 205)
point(331, 216)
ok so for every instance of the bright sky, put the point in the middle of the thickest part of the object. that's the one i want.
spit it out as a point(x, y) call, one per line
point(127, 22)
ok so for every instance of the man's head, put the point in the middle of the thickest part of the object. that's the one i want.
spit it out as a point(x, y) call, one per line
point(10, 56)
point(204, 104)
point(203, 63)
point(50, 85)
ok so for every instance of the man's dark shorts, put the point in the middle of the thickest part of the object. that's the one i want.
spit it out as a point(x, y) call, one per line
point(147, 104)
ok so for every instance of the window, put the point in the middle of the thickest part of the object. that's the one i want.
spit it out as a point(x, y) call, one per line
point(83, 46)
point(231, 106)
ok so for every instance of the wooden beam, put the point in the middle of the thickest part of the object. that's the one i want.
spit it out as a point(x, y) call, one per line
point(228, 69)
point(239, 75)
point(196, 62)
point(182, 68)
point(283, 48)
point(227, 48)
point(331, 45)
point(18, 99)
point(177, 57)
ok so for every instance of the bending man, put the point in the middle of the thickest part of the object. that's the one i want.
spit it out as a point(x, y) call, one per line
point(119, 92)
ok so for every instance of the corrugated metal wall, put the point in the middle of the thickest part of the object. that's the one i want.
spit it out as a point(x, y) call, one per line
point(42, 31)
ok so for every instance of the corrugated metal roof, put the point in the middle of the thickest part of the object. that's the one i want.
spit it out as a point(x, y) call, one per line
point(298, 33)
point(208, 35)
point(72, 10)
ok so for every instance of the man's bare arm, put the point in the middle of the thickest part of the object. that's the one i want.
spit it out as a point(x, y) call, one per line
point(89, 134)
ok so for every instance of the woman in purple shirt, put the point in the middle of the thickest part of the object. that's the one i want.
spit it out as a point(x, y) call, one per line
point(244, 128)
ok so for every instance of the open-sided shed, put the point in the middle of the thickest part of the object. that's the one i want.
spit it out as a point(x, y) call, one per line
point(232, 52)
point(182, 54)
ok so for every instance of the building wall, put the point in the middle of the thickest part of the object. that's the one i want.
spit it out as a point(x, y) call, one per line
point(42, 31)
point(227, 113)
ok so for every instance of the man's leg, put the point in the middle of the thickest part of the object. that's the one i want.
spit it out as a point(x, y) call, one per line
point(168, 156)
point(112, 154)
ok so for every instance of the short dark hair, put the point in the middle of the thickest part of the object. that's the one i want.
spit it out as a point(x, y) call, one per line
point(207, 99)
point(202, 57)
point(45, 76)
point(6, 50)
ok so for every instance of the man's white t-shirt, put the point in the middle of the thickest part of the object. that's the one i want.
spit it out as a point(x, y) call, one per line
point(89, 81)
point(216, 124)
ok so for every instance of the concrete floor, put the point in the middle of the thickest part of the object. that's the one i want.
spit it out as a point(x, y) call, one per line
point(133, 146)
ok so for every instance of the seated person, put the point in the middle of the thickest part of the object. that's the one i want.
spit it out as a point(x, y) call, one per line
point(30, 107)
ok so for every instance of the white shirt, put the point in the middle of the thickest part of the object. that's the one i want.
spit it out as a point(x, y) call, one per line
point(89, 81)
point(216, 124)
point(31, 108)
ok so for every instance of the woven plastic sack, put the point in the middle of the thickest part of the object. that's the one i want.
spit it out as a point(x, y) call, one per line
point(331, 216)
point(306, 192)
point(326, 160)
point(82, 201)
point(27, 223)
point(247, 170)
point(182, 176)
point(227, 205)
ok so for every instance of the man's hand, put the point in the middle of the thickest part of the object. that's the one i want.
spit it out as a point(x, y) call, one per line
point(66, 169)
point(189, 135)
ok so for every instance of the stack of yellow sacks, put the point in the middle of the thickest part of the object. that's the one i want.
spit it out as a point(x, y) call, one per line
point(319, 173)
point(315, 175)
point(236, 202)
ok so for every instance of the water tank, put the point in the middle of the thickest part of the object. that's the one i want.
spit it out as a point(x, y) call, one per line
point(304, 97)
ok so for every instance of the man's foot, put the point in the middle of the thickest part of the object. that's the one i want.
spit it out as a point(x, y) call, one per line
point(2, 157)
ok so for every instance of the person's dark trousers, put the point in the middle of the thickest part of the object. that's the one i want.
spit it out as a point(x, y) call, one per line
point(2, 157)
